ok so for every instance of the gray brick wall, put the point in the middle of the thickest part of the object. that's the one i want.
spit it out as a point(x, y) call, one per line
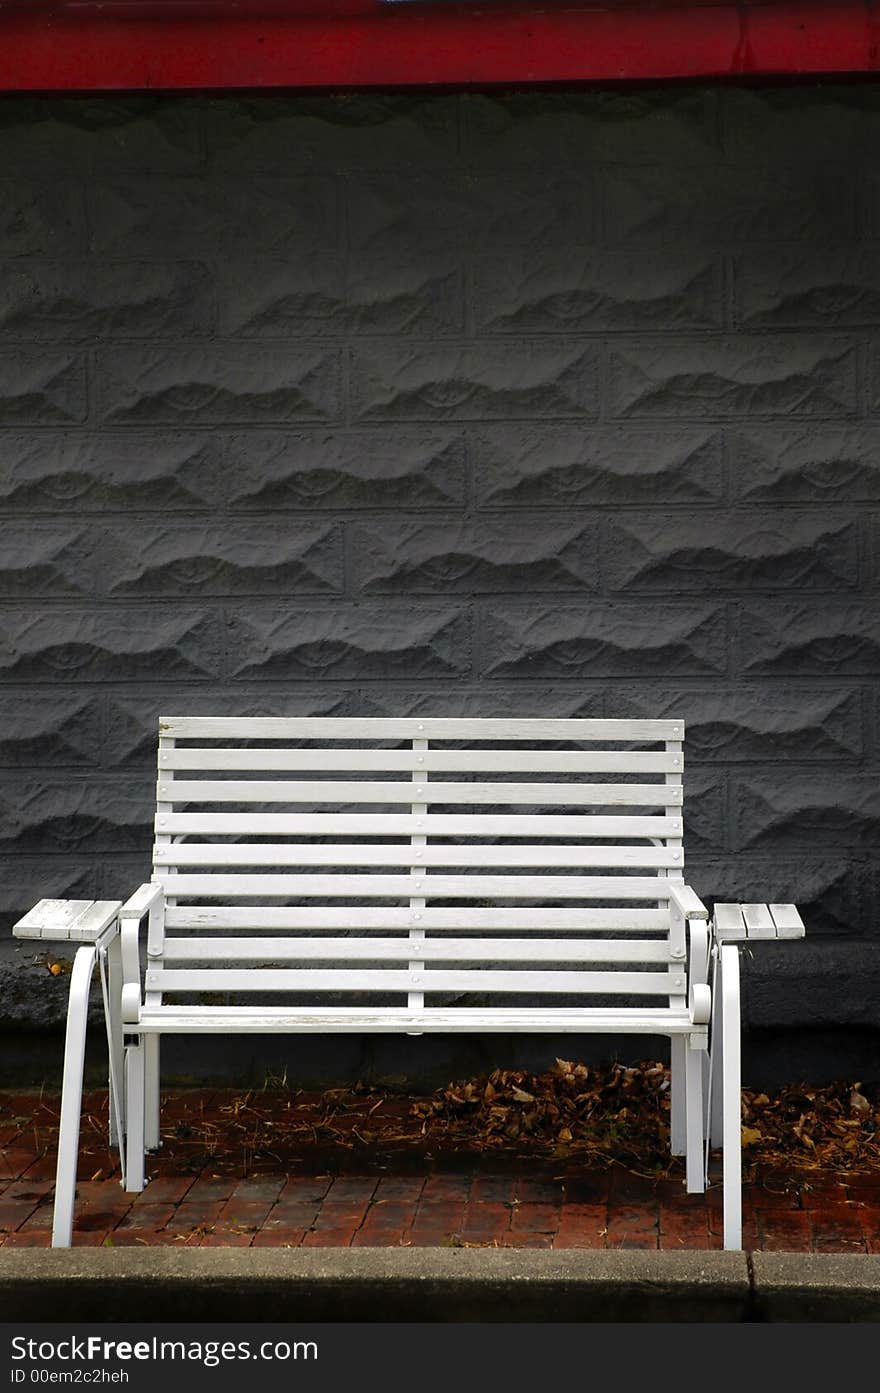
point(530, 403)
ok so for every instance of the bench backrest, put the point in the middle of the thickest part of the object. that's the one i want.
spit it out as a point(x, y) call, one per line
point(522, 858)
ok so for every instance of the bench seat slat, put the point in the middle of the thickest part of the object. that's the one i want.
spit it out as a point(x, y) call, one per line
point(194, 1020)
point(366, 854)
point(263, 950)
point(548, 887)
point(390, 791)
point(413, 728)
point(438, 761)
point(449, 920)
point(530, 982)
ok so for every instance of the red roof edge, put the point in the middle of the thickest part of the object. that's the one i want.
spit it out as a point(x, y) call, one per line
point(384, 45)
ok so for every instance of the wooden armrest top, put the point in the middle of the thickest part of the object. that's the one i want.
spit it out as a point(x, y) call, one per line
point(688, 901)
point(67, 921)
point(143, 898)
point(757, 922)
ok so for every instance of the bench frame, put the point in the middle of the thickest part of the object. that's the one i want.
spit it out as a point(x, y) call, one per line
point(705, 1102)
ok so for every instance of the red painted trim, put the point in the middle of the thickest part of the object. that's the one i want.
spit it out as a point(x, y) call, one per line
point(365, 44)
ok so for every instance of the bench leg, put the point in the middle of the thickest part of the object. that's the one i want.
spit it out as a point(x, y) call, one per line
point(114, 1034)
point(71, 1095)
point(135, 1069)
point(731, 1105)
point(678, 1096)
point(695, 1166)
point(152, 1138)
point(716, 1058)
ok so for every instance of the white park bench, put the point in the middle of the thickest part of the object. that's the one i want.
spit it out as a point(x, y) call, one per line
point(414, 876)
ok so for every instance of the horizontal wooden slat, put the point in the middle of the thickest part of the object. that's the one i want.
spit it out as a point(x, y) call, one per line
point(263, 950)
point(412, 728)
point(341, 824)
point(729, 923)
point(388, 791)
point(366, 918)
point(437, 761)
point(481, 980)
point(759, 921)
point(405, 887)
point(250, 1020)
point(406, 854)
point(788, 921)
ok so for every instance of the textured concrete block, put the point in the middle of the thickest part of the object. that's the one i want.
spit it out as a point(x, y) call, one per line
point(51, 814)
point(508, 554)
point(387, 640)
point(408, 214)
point(725, 206)
point(341, 130)
point(810, 125)
point(601, 639)
point(830, 891)
point(542, 377)
point(451, 699)
point(183, 218)
point(305, 296)
point(704, 813)
point(838, 288)
point(79, 301)
point(53, 136)
point(101, 644)
point(793, 809)
point(121, 875)
point(412, 213)
point(214, 385)
point(521, 465)
point(542, 291)
point(41, 389)
point(51, 559)
point(41, 219)
point(766, 723)
point(731, 551)
point(415, 295)
point(315, 295)
point(51, 473)
point(577, 128)
point(26, 879)
point(734, 378)
point(822, 464)
point(213, 558)
point(54, 729)
point(873, 386)
point(821, 986)
point(827, 637)
point(379, 469)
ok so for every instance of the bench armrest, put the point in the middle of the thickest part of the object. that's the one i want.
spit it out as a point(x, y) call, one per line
point(143, 899)
point(687, 901)
point(147, 899)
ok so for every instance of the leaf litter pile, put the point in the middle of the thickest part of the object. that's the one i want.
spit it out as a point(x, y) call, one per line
point(572, 1116)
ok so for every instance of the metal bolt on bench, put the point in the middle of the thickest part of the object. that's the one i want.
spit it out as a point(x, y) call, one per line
point(418, 876)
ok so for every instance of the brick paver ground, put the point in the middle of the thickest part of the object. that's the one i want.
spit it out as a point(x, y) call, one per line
point(334, 1196)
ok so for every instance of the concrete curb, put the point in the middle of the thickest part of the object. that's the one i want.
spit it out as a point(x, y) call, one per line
point(830, 1286)
point(373, 1284)
point(432, 1284)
